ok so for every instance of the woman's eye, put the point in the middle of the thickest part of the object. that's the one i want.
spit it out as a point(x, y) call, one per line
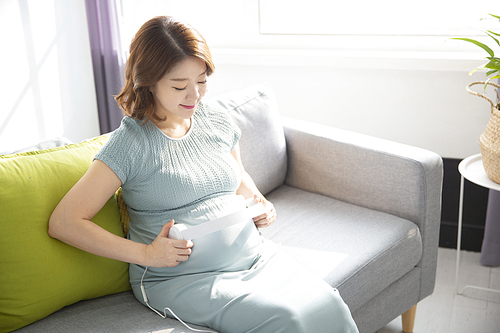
point(184, 88)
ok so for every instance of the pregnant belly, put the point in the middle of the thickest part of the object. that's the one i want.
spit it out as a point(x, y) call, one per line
point(231, 249)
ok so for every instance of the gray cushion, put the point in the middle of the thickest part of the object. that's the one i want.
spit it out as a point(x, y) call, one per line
point(57, 142)
point(262, 143)
point(347, 245)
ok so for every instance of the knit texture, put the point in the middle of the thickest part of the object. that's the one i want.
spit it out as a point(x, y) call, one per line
point(160, 173)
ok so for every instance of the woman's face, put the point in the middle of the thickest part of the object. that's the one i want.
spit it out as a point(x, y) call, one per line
point(179, 91)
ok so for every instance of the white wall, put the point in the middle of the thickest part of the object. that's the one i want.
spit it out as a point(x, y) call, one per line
point(410, 90)
point(427, 108)
point(47, 86)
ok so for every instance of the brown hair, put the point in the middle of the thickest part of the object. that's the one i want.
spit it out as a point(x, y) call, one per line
point(159, 45)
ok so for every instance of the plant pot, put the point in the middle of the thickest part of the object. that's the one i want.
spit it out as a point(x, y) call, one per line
point(489, 141)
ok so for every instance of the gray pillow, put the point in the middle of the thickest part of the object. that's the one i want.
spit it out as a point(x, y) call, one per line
point(57, 142)
point(262, 143)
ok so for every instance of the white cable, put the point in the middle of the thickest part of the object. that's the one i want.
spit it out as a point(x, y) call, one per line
point(164, 315)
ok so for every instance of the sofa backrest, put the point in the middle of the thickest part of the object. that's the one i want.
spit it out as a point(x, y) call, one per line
point(262, 143)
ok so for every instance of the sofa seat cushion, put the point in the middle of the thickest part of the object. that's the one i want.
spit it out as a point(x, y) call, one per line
point(119, 312)
point(113, 313)
point(357, 250)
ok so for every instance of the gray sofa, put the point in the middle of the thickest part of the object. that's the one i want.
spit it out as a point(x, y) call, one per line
point(360, 211)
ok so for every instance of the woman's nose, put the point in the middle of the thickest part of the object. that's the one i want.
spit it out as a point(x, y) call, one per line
point(193, 93)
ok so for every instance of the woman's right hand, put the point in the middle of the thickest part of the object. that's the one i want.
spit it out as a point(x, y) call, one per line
point(167, 252)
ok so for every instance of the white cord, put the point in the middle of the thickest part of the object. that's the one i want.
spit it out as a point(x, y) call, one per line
point(164, 315)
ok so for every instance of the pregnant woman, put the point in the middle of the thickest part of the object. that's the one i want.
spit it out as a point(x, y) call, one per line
point(178, 161)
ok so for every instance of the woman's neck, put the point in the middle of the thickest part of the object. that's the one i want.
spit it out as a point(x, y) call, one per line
point(174, 128)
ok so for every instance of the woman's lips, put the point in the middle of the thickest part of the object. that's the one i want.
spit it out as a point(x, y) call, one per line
point(189, 107)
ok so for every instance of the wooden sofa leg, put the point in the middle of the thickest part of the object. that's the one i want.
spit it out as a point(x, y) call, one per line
point(409, 319)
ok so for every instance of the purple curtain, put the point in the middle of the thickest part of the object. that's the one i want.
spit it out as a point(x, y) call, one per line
point(107, 59)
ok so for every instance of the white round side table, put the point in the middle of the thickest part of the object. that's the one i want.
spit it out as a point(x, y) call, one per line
point(471, 169)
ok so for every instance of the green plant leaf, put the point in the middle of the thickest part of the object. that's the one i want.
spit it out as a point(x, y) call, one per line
point(493, 64)
point(488, 73)
point(490, 34)
point(494, 33)
point(498, 17)
point(476, 69)
point(481, 45)
point(488, 80)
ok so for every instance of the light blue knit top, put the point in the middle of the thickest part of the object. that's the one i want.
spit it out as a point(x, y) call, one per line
point(161, 173)
point(191, 180)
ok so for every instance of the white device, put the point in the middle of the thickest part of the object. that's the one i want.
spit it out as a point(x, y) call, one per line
point(182, 232)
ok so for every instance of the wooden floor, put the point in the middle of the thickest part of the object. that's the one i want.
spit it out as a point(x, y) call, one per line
point(445, 312)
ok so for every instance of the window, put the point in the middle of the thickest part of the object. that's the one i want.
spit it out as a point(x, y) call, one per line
point(374, 18)
point(260, 30)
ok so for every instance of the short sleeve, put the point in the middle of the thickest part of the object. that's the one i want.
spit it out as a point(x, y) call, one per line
point(224, 124)
point(121, 149)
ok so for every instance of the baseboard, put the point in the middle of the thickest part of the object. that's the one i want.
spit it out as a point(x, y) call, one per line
point(474, 214)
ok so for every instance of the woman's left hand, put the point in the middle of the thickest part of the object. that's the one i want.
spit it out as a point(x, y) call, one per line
point(266, 219)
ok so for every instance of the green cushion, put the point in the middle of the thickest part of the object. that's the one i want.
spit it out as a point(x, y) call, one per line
point(39, 274)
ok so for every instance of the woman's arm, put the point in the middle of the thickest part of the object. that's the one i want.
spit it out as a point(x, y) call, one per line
point(71, 223)
point(248, 189)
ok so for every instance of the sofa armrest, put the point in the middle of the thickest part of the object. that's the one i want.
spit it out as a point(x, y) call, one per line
point(374, 173)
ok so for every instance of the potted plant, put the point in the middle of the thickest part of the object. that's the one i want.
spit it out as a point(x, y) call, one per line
point(489, 141)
